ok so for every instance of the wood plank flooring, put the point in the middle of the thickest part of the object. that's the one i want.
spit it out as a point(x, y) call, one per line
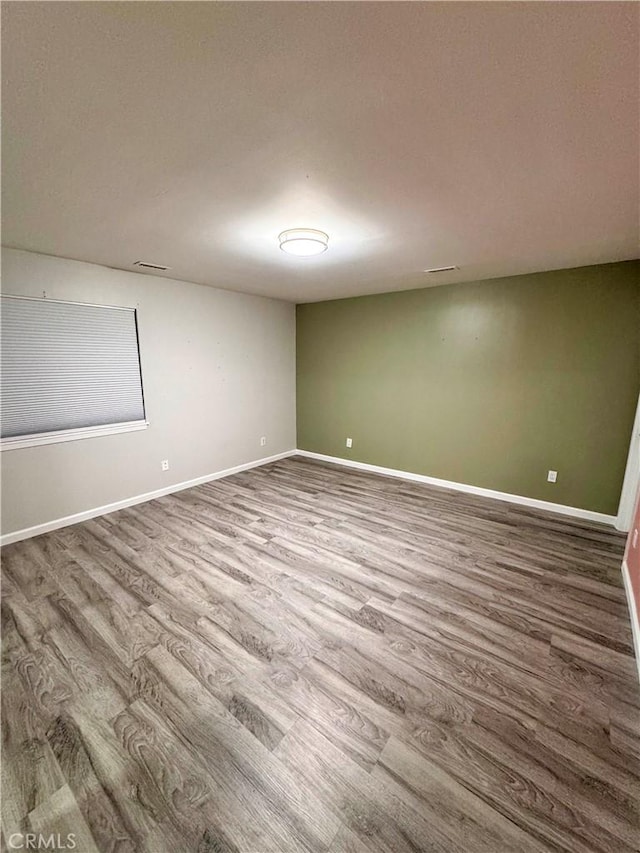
point(306, 658)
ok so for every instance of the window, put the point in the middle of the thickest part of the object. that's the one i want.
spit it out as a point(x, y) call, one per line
point(69, 370)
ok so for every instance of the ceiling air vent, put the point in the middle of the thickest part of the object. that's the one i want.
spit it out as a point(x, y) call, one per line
point(146, 266)
point(441, 269)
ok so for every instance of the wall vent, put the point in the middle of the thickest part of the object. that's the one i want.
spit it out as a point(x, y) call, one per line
point(147, 266)
point(441, 269)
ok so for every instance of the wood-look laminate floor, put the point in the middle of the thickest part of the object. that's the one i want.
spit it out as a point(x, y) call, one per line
point(306, 658)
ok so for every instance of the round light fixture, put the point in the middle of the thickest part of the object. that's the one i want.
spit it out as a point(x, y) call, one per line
point(303, 242)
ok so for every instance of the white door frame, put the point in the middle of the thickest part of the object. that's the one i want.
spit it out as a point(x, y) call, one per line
point(631, 478)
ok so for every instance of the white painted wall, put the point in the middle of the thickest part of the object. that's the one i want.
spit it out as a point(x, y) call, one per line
point(631, 481)
point(218, 372)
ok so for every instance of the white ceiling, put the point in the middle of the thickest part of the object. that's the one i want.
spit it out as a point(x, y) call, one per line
point(500, 137)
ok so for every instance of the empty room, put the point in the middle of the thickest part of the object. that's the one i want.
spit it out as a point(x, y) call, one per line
point(320, 443)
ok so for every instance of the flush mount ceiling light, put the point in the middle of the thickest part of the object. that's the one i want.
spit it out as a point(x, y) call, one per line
point(303, 242)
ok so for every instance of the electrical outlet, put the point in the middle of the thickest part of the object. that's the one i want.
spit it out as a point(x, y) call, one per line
point(349, 442)
point(263, 441)
point(634, 541)
point(552, 476)
point(165, 464)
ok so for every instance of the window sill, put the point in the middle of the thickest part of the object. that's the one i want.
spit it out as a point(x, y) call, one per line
point(20, 441)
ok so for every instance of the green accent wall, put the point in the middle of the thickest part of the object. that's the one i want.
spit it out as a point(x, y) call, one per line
point(488, 383)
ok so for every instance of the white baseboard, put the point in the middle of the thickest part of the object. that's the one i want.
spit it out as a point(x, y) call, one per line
point(28, 532)
point(576, 512)
point(548, 506)
point(633, 613)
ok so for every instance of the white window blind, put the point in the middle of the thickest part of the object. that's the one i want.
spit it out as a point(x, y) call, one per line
point(68, 366)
